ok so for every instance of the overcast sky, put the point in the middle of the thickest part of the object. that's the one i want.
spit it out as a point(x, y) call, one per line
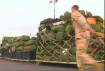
point(22, 17)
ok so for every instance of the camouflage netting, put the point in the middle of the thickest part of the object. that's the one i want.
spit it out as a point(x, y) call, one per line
point(57, 42)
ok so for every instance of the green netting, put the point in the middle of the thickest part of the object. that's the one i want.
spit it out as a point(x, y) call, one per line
point(30, 42)
point(58, 28)
point(82, 12)
point(88, 14)
point(41, 27)
point(59, 35)
point(23, 38)
point(30, 47)
point(20, 48)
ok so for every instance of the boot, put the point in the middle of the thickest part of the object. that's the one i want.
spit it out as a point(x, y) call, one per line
point(98, 66)
point(81, 69)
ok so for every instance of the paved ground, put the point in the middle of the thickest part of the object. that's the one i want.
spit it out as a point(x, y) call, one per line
point(7, 65)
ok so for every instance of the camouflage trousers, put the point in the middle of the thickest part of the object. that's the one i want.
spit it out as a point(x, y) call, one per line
point(82, 56)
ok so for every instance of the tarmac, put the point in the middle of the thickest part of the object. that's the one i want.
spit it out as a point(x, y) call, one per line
point(8, 65)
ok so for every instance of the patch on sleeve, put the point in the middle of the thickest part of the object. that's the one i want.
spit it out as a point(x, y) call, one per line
point(78, 15)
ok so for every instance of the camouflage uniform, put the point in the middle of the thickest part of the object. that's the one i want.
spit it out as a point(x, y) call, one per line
point(82, 36)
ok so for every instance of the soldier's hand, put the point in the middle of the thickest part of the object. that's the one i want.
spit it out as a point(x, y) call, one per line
point(93, 32)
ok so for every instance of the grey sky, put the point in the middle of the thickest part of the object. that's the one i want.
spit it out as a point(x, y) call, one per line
point(22, 17)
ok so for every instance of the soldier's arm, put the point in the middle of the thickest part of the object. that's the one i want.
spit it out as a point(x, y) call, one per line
point(91, 30)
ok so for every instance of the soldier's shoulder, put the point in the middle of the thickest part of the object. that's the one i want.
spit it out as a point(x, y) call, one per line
point(77, 14)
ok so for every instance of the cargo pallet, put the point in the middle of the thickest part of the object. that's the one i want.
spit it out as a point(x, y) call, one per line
point(41, 61)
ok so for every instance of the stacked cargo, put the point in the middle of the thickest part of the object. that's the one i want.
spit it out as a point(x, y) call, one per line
point(56, 42)
point(17, 45)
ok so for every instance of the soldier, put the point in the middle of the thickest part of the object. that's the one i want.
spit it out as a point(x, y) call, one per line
point(82, 37)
